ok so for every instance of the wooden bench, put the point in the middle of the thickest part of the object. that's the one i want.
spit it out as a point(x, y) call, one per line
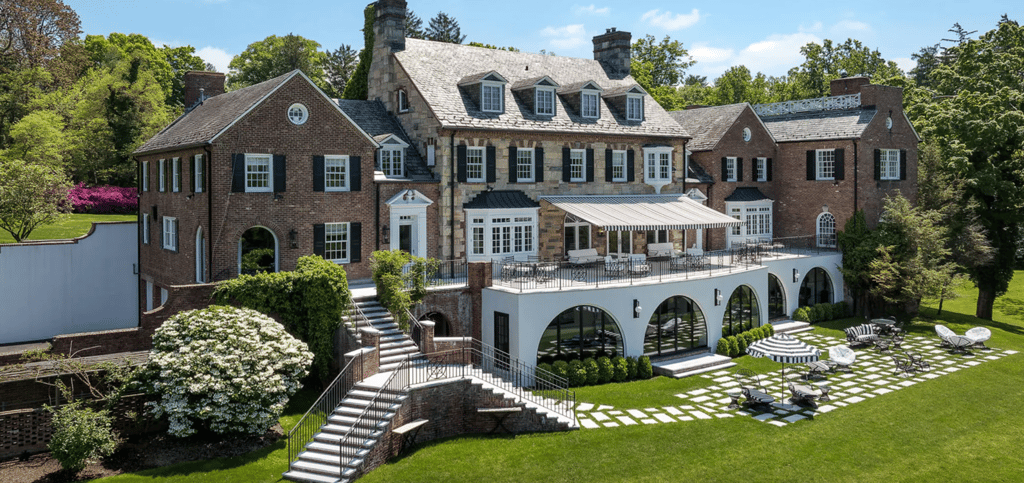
point(409, 431)
point(499, 415)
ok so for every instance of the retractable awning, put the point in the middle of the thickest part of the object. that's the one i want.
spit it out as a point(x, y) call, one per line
point(642, 212)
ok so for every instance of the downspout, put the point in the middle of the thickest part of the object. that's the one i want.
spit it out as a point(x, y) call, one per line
point(209, 214)
point(376, 217)
point(451, 194)
point(856, 175)
point(138, 241)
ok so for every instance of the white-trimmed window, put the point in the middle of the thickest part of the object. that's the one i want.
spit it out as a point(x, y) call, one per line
point(577, 233)
point(145, 228)
point(659, 164)
point(502, 233)
point(759, 222)
point(403, 101)
point(619, 171)
point(197, 173)
point(145, 175)
point(176, 175)
point(634, 107)
point(392, 162)
point(544, 101)
point(298, 114)
point(336, 173)
point(170, 241)
point(756, 218)
point(589, 106)
point(730, 169)
point(475, 165)
point(578, 165)
point(336, 242)
point(258, 173)
point(524, 165)
point(490, 96)
point(826, 230)
point(162, 175)
point(889, 164)
point(761, 169)
point(825, 165)
point(477, 237)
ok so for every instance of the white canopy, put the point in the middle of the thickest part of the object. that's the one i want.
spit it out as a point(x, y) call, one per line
point(642, 212)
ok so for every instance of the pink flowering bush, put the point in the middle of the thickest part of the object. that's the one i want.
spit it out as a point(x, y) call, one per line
point(103, 200)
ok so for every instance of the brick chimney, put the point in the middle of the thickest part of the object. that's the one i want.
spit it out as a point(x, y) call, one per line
point(196, 82)
point(848, 85)
point(612, 49)
point(389, 26)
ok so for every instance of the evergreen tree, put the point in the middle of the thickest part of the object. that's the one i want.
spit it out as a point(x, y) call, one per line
point(444, 28)
point(413, 26)
point(357, 87)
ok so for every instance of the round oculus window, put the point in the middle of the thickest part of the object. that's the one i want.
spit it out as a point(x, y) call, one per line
point(297, 114)
point(888, 123)
point(746, 134)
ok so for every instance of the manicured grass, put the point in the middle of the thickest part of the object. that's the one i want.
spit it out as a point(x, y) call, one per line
point(75, 226)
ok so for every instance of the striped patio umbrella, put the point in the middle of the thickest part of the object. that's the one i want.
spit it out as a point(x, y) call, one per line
point(785, 349)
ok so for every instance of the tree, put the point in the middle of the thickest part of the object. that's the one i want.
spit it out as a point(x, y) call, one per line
point(118, 50)
point(444, 28)
point(828, 61)
point(358, 86)
point(338, 69)
point(495, 47)
point(274, 56)
point(668, 60)
point(17, 89)
point(928, 58)
point(31, 195)
point(859, 249)
point(979, 126)
point(39, 138)
point(32, 31)
point(413, 26)
point(182, 60)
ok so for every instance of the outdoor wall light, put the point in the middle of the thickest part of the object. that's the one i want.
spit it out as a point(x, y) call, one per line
point(293, 238)
point(796, 275)
point(718, 297)
point(637, 309)
point(385, 232)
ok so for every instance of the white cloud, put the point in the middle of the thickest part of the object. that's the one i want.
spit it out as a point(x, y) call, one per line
point(703, 53)
point(218, 57)
point(590, 10)
point(776, 54)
point(849, 28)
point(668, 21)
point(905, 63)
point(567, 37)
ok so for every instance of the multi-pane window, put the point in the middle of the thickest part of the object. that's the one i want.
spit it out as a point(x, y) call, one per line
point(577, 233)
point(523, 234)
point(176, 175)
point(490, 97)
point(634, 108)
point(257, 172)
point(478, 236)
point(391, 162)
point(524, 165)
point(826, 163)
point(336, 173)
point(577, 165)
point(145, 175)
point(145, 228)
point(403, 101)
point(759, 221)
point(618, 166)
point(162, 175)
point(756, 218)
point(730, 169)
point(475, 165)
point(761, 169)
point(197, 173)
point(336, 243)
point(501, 236)
point(170, 241)
point(544, 101)
point(510, 235)
point(826, 230)
point(889, 164)
point(736, 213)
point(588, 104)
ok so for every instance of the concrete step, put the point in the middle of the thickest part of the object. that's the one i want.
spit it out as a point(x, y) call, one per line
point(331, 449)
point(322, 469)
point(791, 327)
point(305, 477)
point(691, 365)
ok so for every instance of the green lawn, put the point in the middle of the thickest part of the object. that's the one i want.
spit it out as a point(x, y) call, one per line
point(75, 226)
point(966, 426)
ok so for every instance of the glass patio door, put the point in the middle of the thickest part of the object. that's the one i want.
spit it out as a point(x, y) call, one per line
point(620, 243)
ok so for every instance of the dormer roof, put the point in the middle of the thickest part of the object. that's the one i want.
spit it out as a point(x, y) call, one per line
point(542, 81)
point(481, 77)
point(580, 86)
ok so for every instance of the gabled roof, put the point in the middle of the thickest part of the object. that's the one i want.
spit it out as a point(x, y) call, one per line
point(819, 125)
point(437, 68)
point(539, 81)
point(502, 199)
point(482, 76)
point(579, 86)
point(697, 172)
point(707, 125)
point(623, 90)
point(746, 194)
point(374, 119)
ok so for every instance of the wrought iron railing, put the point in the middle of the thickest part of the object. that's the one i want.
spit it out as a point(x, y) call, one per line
point(311, 423)
point(367, 423)
point(829, 103)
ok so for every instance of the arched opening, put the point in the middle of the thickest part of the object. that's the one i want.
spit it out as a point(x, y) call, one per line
point(257, 251)
point(677, 325)
point(441, 326)
point(816, 288)
point(776, 298)
point(200, 256)
point(742, 313)
point(578, 333)
point(826, 230)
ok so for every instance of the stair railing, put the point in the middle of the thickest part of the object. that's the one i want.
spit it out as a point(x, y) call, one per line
point(373, 413)
point(314, 419)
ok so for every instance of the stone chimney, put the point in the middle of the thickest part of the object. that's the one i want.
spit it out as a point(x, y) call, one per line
point(611, 49)
point(201, 85)
point(848, 85)
point(389, 26)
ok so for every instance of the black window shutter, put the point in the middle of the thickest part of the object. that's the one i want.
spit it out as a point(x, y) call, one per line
point(878, 164)
point(739, 169)
point(168, 176)
point(538, 159)
point(810, 165)
point(177, 234)
point(630, 169)
point(608, 165)
point(903, 165)
point(840, 165)
point(753, 169)
point(769, 169)
point(590, 165)
point(192, 174)
point(355, 173)
point(355, 233)
point(159, 228)
point(512, 165)
point(461, 154)
point(318, 173)
point(492, 164)
point(319, 239)
point(238, 173)
point(566, 165)
point(725, 169)
point(279, 174)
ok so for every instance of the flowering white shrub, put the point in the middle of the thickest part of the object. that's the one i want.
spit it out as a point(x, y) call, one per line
point(228, 368)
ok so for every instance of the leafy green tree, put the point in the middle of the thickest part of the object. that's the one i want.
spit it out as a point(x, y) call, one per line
point(17, 89)
point(182, 60)
point(274, 56)
point(38, 138)
point(667, 60)
point(828, 61)
point(118, 50)
point(339, 67)
point(358, 86)
point(495, 47)
point(444, 28)
point(413, 26)
point(31, 195)
point(736, 85)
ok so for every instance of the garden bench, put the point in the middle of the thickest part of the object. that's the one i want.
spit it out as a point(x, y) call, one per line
point(409, 431)
point(499, 415)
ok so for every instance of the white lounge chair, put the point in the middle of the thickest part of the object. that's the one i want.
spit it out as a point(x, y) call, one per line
point(979, 335)
point(843, 357)
point(944, 333)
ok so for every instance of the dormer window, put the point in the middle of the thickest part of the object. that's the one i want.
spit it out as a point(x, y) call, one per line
point(537, 94)
point(589, 107)
point(391, 157)
point(490, 97)
point(486, 89)
point(403, 101)
point(544, 101)
point(634, 107)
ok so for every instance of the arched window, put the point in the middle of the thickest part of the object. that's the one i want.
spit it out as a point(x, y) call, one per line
point(577, 233)
point(742, 313)
point(826, 230)
point(675, 326)
point(200, 256)
point(580, 332)
point(816, 288)
point(257, 251)
point(776, 297)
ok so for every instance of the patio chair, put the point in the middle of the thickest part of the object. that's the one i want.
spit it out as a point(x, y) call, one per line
point(897, 341)
point(614, 268)
point(944, 334)
point(902, 365)
point(752, 390)
point(979, 335)
point(803, 394)
point(842, 357)
point(918, 361)
point(638, 264)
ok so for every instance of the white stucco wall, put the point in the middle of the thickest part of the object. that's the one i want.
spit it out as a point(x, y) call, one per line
point(63, 287)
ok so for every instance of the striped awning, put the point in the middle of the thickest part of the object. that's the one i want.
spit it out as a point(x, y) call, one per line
point(642, 212)
point(785, 349)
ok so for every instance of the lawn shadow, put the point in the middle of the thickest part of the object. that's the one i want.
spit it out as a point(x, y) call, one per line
point(961, 322)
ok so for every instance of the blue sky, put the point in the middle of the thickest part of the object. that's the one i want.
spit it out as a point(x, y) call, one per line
point(764, 36)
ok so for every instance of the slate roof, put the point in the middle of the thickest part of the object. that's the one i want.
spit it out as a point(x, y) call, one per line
point(436, 68)
point(747, 194)
point(697, 172)
point(502, 199)
point(202, 124)
point(707, 125)
point(819, 125)
point(373, 118)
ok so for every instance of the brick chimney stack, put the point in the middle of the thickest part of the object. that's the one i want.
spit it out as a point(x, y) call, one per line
point(612, 50)
point(201, 85)
point(848, 85)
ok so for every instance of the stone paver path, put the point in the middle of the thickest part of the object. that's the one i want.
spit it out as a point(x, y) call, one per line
point(872, 376)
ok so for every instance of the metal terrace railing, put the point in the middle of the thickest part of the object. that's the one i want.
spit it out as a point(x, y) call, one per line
point(367, 423)
point(829, 103)
point(444, 274)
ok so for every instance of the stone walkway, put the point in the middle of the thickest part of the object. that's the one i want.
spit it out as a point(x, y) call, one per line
point(872, 376)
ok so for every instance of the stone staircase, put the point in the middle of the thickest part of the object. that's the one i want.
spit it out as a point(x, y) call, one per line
point(395, 345)
point(692, 364)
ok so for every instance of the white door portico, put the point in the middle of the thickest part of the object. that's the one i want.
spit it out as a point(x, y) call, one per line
point(408, 221)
